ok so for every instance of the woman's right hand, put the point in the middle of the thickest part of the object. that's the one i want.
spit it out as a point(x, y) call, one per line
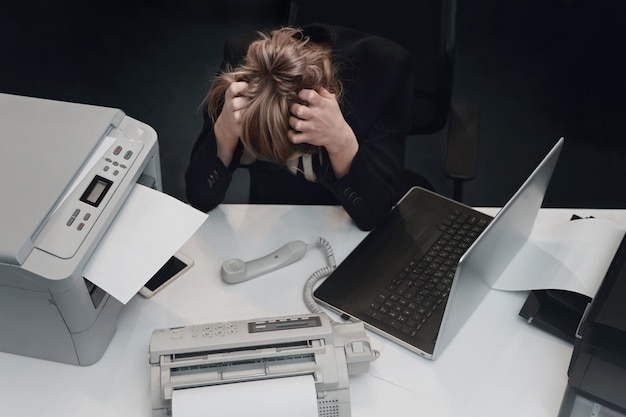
point(227, 127)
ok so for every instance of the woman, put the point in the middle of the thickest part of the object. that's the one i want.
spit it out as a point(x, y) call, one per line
point(319, 115)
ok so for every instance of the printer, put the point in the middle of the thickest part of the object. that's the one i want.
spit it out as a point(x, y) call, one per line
point(597, 370)
point(65, 172)
point(206, 355)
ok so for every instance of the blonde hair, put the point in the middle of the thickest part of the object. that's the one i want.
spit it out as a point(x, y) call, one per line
point(276, 67)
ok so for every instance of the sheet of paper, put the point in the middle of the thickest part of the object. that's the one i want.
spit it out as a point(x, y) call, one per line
point(149, 228)
point(571, 255)
point(275, 397)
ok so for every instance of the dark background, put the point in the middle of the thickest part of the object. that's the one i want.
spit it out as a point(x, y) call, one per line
point(538, 69)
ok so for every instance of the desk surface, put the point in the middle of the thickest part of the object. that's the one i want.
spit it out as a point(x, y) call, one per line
point(498, 365)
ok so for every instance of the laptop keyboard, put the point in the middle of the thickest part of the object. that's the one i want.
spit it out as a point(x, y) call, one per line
point(423, 283)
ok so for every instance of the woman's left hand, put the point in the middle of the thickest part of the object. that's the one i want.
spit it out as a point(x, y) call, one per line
point(321, 123)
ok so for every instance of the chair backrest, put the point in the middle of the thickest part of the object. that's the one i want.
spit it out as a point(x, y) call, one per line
point(423, 27)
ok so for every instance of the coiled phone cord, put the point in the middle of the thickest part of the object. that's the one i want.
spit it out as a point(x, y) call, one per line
point(318, 275)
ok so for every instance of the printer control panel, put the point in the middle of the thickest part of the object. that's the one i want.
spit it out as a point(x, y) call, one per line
point(79, 212)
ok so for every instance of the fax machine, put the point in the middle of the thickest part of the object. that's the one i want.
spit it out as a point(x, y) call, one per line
point(65, 171)
point(251, 350)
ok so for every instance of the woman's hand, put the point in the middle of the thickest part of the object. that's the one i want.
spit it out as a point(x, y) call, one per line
point(321, 123)
point(227, 127)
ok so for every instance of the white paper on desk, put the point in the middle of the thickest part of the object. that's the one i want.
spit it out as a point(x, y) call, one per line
point(275, 397)
point(571, 255)
point(149, 228)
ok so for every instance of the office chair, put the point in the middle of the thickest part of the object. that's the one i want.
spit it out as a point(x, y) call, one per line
point(426, 29)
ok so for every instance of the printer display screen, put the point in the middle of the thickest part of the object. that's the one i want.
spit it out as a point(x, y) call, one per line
point(96, 191)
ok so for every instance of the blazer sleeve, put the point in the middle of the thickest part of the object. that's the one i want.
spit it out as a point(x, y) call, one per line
point(377, 104)
point(207, 178)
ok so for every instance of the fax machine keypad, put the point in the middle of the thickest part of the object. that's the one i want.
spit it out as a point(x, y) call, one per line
point(210, 330)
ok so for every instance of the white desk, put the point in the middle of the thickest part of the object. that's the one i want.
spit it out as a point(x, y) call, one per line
point(497, 366)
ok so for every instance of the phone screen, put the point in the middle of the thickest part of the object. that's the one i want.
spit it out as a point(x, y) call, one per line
point(172, 267)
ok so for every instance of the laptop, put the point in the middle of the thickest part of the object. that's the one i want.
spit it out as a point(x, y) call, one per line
point(419, 275)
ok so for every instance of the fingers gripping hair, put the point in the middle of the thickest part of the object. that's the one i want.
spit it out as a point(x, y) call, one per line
point(277, 66)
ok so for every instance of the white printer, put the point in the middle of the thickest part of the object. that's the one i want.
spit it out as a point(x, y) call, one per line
point(212, 354)
point(65, 171)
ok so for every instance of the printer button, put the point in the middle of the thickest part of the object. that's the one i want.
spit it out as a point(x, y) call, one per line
point(128, 154)
point(73, 217)
point(117, 150)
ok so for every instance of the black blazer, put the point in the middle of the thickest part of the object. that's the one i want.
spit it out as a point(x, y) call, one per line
point(377, 100)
